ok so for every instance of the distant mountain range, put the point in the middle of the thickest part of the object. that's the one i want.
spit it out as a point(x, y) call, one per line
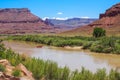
point(70, 23)
point(110, 21)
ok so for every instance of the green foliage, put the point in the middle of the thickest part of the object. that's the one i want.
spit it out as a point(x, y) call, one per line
point(16, 73)
point(114, 75)
point(51, 40)
point(100, 75)
point(50, 70)
point(2, 68)
point(98, 32)
point(101, 45)
point(106, 45)
point(87, 45)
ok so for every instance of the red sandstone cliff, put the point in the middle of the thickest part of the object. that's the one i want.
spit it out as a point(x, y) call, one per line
point(21, 21)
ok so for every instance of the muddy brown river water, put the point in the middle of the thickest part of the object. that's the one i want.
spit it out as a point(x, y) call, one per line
point(74, 59)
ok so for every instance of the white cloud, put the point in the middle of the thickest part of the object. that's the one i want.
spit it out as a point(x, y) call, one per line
point(45, 18)
point(59, 18)
point(64, 18)
point(59, 13)
point(86, 17)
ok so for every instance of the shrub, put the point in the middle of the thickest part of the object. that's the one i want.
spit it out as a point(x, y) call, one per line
point(96, 47)
point(99, 32)
point(107, 50)
point(87, 45)
point(16, 73)
point(2, 68)
point(117, 48)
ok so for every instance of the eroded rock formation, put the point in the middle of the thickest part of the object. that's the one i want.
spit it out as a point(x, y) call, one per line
point(21, 21)
point(111, 12)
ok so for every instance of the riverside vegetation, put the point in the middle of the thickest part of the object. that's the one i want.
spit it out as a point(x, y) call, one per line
point(48, 70)
point(100, 44)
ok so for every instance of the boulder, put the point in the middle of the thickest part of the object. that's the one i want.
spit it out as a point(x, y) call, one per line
point(4, 62)
point(3, 76)
point(26, 73)
point(7, 65)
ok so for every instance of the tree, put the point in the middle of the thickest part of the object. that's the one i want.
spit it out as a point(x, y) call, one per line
point(99, 32)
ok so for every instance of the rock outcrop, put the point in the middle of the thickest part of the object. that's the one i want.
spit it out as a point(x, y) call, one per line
point(4, 62)
point(111, 12)
point(3, 76)
point(25, 71)
point(7, 75)
point(110, 18)
point(21, 21)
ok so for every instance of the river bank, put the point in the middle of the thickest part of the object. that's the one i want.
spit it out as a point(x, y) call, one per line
point(100, 45)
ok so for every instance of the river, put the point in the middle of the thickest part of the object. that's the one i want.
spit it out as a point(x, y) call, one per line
point(74, 59)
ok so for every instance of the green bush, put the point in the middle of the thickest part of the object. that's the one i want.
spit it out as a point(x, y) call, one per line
point(87, 45)
point(107, 50)
point(96, 47)
point(16, 73)
point(2, 68)
point(117, 48)
point(98, 32)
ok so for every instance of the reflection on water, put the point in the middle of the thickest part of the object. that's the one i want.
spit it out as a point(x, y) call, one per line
point(70, 58)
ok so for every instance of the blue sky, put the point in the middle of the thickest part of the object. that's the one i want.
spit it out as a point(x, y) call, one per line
point(61, 8)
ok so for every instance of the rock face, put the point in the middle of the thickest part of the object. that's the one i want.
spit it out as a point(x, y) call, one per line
point(21, 21)
point(111, 12)
point(110, 18)
point(110, 21)
point(3, 76)
point(25, 71)
point(17, 16)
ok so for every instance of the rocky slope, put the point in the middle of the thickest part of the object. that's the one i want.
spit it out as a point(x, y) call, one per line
point(69, 23)
point(21, 21)
point(110, 21)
